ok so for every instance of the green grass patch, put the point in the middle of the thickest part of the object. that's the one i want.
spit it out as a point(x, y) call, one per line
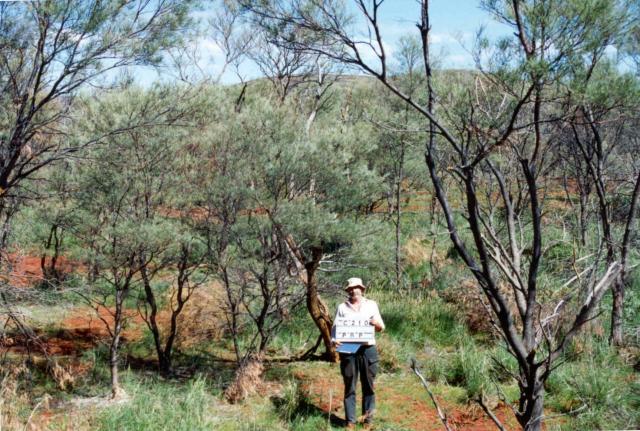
point(157, 405)
point(419, 320)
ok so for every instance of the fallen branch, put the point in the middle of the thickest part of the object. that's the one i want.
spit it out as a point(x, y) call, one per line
point(557, 415)
point(441, 413)
point(480, 400)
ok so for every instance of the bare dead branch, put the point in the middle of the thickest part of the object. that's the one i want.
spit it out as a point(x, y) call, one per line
point(441, 414)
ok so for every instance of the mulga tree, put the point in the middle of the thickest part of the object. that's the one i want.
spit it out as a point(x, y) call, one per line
point(54, 218)
point(162, 167)
point(270, 222)
point(503, 130)
point(400, 136)
point(235, 198)
point(573, 167)
point(312, 184)
point(268, 293)
point(120, 187)
point(220, 183)
point(49, 51)
point(602, 134)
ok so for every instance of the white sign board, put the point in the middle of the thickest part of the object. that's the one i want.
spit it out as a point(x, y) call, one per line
point(354, 330)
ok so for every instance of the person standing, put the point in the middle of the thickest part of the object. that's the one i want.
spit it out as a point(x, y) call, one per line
point(364, 361)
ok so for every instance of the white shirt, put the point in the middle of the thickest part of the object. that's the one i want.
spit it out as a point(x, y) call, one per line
point(368, 308)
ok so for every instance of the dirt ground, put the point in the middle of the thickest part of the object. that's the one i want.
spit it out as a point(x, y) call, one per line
point(26, 270)
point(80, 331)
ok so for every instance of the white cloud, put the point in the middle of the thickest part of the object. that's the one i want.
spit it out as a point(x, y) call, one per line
point(611, 51)
point(442, 39)
point(210, 48)
point(370, 56)
point(448, 38)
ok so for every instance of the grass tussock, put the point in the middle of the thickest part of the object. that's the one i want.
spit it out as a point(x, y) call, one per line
point(597, 392)
point(157, 405)
point(300, 413)
point(420, 320)
point(248, 380)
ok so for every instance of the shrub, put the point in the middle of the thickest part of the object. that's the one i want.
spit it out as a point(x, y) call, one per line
point(14, 403)
point(389, 351)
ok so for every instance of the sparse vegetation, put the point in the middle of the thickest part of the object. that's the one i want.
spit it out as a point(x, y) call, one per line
point(171, 254)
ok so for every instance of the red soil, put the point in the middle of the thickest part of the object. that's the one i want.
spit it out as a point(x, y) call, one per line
point(86, 325)
point(79, 332)
point(26, 270)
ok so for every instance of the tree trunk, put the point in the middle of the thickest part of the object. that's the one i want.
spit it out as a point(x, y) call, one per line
point(43, 258)
point(50, 273)
point(181, 298)
point(165, 359)
point(399, 215)
point(616, 337)
point(151, 319)
point(317, 308)
point(531, 406)
point(583, 218)
point(232, 314)
point(116, 390)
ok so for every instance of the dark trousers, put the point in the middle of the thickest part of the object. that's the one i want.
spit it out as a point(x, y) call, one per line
point(365, 364)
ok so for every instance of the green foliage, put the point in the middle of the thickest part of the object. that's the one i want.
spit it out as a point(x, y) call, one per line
point(80, 42)
point(291, 402)
point(298, 332)
point(419, 320)
point(417, 273)
point(632, 307)
point(370, 254)
point(173, 167)
point(558, 257)
point(468, 368)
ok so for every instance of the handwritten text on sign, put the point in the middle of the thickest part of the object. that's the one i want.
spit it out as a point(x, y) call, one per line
point(354, 330)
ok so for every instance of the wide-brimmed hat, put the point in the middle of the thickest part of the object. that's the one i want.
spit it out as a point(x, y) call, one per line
point(355, 282)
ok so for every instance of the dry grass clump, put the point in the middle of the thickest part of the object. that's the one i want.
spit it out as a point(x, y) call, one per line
point(202, 319)
point(418, 250)
point(62, 375)
point(248, 380)
point(467, 298)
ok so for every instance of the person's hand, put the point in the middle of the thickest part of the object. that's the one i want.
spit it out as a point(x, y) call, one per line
point(375, 323)
point(337, 343)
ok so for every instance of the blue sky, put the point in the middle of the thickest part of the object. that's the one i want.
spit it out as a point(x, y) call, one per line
point(454, 25)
